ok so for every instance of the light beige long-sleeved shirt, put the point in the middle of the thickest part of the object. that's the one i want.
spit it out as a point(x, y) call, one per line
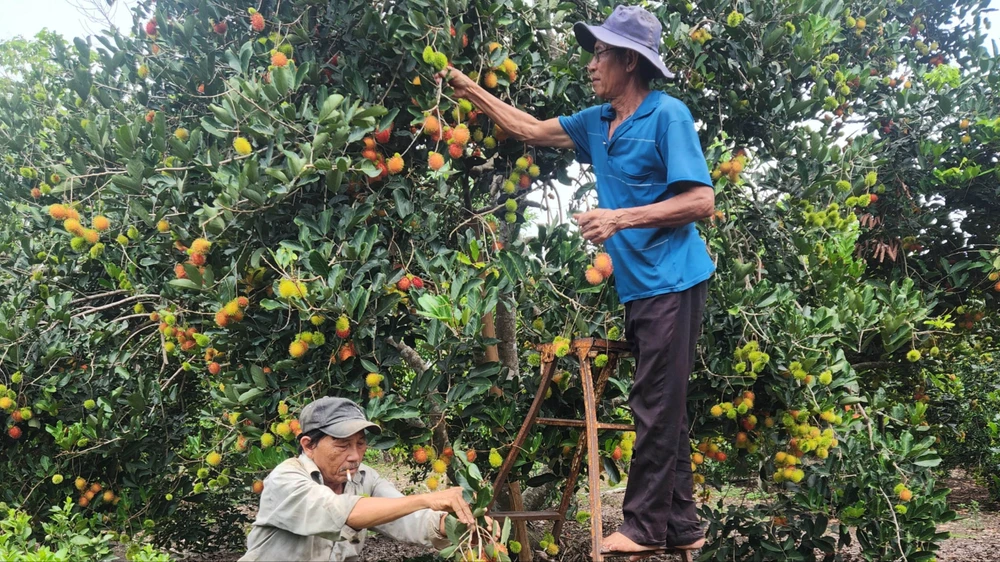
point(300, 518)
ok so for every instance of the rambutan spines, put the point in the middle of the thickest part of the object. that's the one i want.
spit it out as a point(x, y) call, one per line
point(343, 327)
point(257, 22)
point(593, 276)
point(395, 165)
point(602, 263)
point(460, 135)
point(279, 59)
point(431, 125)
point(200, 246)
point(435, 161)
point(101, 223)
point(58, 211)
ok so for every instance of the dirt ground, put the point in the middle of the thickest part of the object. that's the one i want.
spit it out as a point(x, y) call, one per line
point(975, 535)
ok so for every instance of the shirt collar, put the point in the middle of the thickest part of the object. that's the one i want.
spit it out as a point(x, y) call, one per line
point(317, 476)
point(647, 106)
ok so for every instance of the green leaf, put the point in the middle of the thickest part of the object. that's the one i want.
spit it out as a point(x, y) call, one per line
point(250, 395)
point(184, 284)
point(259, 378)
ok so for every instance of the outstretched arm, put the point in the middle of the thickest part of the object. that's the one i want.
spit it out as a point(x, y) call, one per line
point(372, 512)
point(517, 123)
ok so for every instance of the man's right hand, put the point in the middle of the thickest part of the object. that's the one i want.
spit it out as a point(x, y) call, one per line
point(518, 124)
point(462, 84)
point(451, 500)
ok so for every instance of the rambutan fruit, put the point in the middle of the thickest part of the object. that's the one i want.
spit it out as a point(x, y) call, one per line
point(257, 22)
point(435, 161)
point(593, 276)
point(395, 164)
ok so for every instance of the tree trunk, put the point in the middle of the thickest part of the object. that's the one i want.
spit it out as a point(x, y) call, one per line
point(506, 328)
point(439, 428)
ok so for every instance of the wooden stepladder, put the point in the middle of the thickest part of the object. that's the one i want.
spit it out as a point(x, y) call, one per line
point(585, 349)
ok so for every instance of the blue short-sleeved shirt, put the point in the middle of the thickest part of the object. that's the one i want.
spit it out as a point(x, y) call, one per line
point(639, 165)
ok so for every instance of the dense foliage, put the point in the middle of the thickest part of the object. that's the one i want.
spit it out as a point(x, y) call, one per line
point(237, 208)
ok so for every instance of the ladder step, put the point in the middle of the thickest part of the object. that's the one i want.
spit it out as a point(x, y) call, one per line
point(527, 515)
point(581, 423)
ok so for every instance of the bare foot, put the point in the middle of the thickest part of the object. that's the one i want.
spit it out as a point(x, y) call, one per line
point(617, 542)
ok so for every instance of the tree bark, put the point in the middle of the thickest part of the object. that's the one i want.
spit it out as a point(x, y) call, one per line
point(490, 331)
point(439, 428)
point(506, 328)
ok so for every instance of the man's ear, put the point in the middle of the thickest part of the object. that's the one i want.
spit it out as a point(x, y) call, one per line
point(633, 61)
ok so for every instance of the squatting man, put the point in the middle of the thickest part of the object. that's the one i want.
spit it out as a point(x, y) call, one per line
point(321, 504)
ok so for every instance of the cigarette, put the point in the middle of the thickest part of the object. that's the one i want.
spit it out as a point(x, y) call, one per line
point(349, 475)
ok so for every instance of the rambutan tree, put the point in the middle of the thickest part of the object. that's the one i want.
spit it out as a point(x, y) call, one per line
point(235, 208)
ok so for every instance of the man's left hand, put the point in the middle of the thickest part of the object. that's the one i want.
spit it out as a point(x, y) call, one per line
point(494, 526)
point(599, 224)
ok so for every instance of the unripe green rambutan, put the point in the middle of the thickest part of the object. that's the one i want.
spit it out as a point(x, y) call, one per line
point(495, 459)
point(318, 339)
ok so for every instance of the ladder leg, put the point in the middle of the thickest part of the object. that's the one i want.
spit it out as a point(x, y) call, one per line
point(594, 459)
point(577, 463)
point(520, 525)
point(548, 367)
point(574, 473)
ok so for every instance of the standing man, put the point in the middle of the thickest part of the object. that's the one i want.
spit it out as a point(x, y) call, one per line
point(320, 505)
point(652, 185)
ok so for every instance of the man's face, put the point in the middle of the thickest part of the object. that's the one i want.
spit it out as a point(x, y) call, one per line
point(335, 457)
point(607, 72)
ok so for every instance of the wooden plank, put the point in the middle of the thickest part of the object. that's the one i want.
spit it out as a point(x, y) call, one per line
point(592, 347)
point(582, 423)
point(551, 515)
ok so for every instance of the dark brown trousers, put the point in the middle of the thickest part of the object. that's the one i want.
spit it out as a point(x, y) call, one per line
point(662, 331)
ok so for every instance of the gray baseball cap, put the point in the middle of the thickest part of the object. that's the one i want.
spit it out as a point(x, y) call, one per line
point(336, 417)
point(628, 27)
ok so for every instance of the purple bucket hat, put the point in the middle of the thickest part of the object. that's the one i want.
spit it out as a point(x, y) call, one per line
point(629, 27)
